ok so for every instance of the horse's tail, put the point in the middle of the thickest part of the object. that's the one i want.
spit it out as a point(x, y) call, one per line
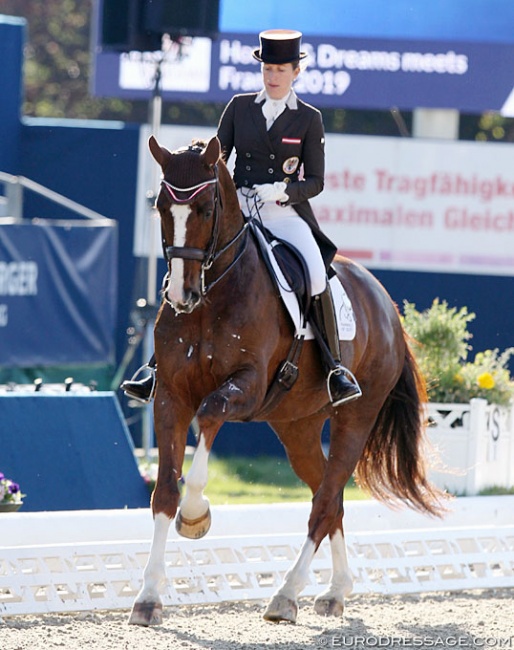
point(392, 465)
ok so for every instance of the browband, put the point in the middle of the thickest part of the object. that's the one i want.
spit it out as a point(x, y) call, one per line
point(194, 189)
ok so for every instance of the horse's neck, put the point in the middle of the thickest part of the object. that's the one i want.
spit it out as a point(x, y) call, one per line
point(233, 219)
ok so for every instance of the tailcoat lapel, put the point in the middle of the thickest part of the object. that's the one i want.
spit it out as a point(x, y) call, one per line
point(281, 126)
point(260, 122)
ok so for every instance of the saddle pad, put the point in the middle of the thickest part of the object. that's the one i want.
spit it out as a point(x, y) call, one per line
point(342, 304)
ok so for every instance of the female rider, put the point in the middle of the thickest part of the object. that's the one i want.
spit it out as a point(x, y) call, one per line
point(279, 144)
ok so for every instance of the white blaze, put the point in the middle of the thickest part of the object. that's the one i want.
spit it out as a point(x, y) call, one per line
point(175, 289)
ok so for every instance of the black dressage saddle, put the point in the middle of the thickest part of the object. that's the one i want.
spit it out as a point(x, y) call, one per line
point(290, 262)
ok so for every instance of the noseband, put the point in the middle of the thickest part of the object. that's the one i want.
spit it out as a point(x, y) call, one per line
point(208, 256)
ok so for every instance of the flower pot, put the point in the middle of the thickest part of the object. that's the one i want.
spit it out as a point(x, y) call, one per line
point(10, 507)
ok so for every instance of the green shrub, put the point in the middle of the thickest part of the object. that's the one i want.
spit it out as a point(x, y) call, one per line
point(440, 342)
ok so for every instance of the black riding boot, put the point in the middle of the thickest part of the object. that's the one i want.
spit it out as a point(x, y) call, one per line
point(142, 389)
point(322, 318)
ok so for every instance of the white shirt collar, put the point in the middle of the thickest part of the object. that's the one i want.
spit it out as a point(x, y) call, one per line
point(289, 101)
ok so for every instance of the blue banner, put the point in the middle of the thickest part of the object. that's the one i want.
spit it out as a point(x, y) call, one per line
point(58, 292)
point(359, 73)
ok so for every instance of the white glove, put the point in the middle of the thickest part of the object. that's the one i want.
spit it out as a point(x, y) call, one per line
point(272, 192)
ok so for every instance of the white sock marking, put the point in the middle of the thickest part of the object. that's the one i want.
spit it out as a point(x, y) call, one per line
point(298, 575)
point(341, 582)
point(155, 572)
point(194, 504)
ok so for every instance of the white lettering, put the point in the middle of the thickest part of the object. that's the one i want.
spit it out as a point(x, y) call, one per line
point(230, 77)
point(236, 53)
point(4, 316)
point(329, 56)
point(428, 62)
point(315, 82)
point(18, 278)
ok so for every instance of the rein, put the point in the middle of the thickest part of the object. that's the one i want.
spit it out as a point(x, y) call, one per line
point(210, 255)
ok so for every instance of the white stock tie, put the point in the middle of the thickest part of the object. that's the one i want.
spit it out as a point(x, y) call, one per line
point(271, 109)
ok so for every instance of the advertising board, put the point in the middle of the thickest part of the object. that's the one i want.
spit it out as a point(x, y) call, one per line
point(58, 292)
point(399, 204)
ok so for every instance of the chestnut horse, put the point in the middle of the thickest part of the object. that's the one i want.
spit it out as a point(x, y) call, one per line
point(220, 335)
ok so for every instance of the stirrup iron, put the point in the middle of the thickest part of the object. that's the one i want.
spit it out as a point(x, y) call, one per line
point(342, 370)
point(126, 388)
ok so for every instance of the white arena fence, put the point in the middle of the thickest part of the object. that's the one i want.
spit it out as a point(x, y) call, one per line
point(93, 560)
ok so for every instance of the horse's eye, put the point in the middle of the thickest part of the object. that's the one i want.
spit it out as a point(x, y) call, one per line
point(207, 214)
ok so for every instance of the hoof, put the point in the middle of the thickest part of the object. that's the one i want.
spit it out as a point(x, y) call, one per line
point(146, 614)
point(193, 528)
point(281, 609)
point(328, 607)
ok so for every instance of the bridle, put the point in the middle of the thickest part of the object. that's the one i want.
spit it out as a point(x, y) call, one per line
point(209, 255)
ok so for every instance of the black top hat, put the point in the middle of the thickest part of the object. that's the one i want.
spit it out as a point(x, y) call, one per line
point(279, 46)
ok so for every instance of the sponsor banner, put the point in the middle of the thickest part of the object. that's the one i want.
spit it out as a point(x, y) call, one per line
point(58, 293)
point(358, 73)
point(391, 203)
point(420, 205)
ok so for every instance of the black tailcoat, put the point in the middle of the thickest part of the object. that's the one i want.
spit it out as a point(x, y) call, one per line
point(296, 138)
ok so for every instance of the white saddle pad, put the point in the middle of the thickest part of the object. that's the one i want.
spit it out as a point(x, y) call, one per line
point(342, 304)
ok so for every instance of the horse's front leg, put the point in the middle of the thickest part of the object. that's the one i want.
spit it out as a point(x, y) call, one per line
point(194, 517)
point(171, 425)
point(234, 400)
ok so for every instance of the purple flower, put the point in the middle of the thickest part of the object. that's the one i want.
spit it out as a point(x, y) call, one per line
point(2, 476)
point(13, 488)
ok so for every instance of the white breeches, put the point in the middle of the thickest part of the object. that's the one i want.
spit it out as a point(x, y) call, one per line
point(285, 223)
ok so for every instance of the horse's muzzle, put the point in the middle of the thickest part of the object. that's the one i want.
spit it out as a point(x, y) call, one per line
point(186, 305)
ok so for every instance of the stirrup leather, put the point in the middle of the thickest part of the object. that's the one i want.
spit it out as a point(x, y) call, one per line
point(341, 370)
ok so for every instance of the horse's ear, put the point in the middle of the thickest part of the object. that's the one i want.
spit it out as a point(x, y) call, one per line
point(161, 154)
point(212, 153)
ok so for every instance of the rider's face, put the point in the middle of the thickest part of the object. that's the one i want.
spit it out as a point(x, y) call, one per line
point(278, 78)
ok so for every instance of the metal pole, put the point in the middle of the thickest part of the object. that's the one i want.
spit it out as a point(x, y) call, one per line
point(155, 122)
point(151, 287)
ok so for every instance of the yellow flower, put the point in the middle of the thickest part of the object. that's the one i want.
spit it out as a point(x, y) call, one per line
point(485, 380)
point(458, 378)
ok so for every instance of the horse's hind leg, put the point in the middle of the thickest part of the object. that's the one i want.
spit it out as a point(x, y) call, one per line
point(326, 479)
point(302, 441)
point(331, 601)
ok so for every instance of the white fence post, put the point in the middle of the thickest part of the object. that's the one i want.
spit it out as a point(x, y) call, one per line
point(477, 427)
point(510, 429)
point(475, 442)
